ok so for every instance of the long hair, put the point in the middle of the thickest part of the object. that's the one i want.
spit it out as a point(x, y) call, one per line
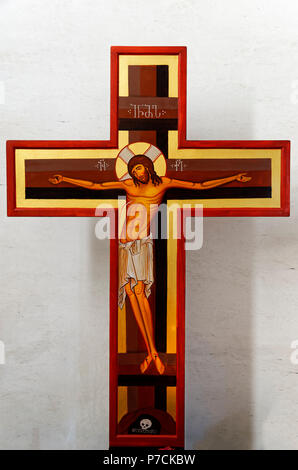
point(148, 164)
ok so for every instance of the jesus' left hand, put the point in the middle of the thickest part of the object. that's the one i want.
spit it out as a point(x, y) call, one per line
point(242, 178)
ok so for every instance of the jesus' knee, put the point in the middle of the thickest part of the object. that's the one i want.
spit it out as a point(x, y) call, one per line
point(128, 289)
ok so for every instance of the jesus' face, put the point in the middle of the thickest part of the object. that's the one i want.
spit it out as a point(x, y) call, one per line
point(141, 173)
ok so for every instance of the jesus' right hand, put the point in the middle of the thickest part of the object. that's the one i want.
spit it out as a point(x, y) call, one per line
point(56, 179)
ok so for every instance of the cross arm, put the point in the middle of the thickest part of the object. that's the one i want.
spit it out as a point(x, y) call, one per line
point(173, 183)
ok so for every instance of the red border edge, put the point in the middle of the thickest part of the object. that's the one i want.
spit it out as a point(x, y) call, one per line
point(113, 372)
point(284, 145)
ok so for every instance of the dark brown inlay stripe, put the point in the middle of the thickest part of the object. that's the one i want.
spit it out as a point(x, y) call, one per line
point(148, 124)
point(162, 80)
point(83, 193)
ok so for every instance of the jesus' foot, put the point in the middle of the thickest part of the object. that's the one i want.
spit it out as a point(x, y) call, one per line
point(158, 364)
point(146, 363)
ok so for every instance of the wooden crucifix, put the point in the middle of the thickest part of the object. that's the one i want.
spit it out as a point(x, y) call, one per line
point(148, 162)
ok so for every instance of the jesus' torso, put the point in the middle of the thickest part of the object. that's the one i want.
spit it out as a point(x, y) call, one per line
point(141, 206)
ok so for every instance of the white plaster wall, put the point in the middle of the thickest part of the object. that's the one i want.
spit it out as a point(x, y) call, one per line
point(241, 389)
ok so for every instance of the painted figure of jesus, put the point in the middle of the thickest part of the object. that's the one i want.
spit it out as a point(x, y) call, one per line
point(144, 191)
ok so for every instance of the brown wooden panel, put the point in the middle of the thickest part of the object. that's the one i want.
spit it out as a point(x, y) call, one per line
point(217, 164)
point(38, 172)
point(140, 397)
point(41, 179)
point(134, 80)
point(142, 136)
point(148, 80)
point(129, 364)
point(209, 169)
point(142, 80)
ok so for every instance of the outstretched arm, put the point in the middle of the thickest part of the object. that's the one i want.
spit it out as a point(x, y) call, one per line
point(172, 183)
point(87, 184)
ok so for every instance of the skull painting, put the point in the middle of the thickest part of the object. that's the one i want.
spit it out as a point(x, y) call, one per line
point(145, 424)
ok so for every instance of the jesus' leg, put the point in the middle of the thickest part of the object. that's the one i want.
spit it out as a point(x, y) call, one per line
point(141, 324)
point(147, 318)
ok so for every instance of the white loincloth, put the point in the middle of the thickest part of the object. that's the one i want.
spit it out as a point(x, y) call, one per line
point(135, 264)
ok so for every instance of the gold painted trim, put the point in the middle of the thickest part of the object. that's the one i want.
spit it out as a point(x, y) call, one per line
point(228, 203)
point(171, 401)
point(122, 330)
point(171, 282)
point(122, 402)
point(68, 203)
point(175, 152)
